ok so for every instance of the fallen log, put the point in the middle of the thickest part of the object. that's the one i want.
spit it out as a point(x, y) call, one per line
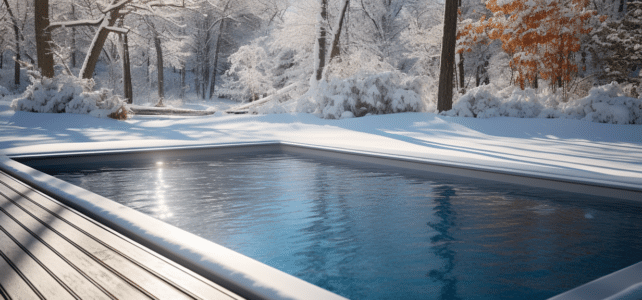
point(168, 111)
point(243, 109)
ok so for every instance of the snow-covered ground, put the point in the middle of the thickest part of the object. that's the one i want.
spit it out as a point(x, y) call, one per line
point(568, 147)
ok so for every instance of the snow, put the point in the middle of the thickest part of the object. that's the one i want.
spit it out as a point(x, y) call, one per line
point(575, 148)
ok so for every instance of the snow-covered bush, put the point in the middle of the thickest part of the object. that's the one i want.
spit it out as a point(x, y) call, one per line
point(356, 96)
point(69, 94)
point(604, 104)
point(487, 101)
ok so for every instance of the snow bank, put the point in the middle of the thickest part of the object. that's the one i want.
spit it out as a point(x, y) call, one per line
point(604, 104)
point(69, 94)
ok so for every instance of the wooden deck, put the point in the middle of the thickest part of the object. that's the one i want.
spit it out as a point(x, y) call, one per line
point(49, 251)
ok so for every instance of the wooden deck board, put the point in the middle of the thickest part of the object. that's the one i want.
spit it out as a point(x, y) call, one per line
point(66, 254)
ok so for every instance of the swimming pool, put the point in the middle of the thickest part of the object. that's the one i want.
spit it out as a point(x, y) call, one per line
point(368, 232)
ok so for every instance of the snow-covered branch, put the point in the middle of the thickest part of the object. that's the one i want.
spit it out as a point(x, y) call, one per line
point(119, 30)
point(77, 23)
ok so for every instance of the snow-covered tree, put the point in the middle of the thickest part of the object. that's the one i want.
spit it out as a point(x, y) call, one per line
point(422, 38)
point(541, 36)
point(113, 11)
point(619, 44)
point(13, 17)
point(250, 72)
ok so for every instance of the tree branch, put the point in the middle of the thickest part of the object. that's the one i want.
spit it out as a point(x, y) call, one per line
point(96, 22)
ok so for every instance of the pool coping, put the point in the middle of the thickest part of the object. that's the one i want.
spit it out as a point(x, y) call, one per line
point(250, 278)
point(589, 186)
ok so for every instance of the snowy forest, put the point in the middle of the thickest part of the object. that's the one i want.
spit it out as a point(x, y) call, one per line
point(578, 59)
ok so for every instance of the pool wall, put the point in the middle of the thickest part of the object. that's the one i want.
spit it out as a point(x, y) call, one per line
point(243, 275)
point(561, 182)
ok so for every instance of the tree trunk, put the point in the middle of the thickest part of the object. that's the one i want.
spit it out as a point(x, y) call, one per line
point(320, 45)
point(445, 94)
point(535, 84)
point(337, 33)
point(159, 68)
point(205, 67)
point(147, 67)
point(477, 76)
point(1, 58)
point(16, 32)
point(197, 88)
point(182, 91)
point(216, 53)
point(16, 64)
point(73, 38)
point(621, 8)
point(93, 53)
point(43, 38)
point(127, 77)
point(460, 65)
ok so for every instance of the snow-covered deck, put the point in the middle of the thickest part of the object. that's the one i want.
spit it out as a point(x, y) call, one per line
point(50, 251)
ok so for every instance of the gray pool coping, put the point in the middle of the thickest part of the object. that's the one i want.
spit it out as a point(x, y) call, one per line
point(599, 289)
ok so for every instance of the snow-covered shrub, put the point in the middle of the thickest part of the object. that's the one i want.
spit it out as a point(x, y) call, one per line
point(69, 94)
point(605, 104)
point(487, 101)
point(383, 93)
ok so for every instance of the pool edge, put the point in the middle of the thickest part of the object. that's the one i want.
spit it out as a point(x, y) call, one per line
point(617, 285)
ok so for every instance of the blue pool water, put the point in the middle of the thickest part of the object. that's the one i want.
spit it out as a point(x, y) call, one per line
point(372, 233)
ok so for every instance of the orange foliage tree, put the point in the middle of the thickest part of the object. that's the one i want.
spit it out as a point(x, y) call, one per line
point(540, 36)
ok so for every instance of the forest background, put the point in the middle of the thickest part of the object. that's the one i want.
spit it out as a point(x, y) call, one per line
point(335, 58)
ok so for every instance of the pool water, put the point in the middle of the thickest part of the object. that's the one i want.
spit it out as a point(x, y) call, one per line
point(372, 233)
